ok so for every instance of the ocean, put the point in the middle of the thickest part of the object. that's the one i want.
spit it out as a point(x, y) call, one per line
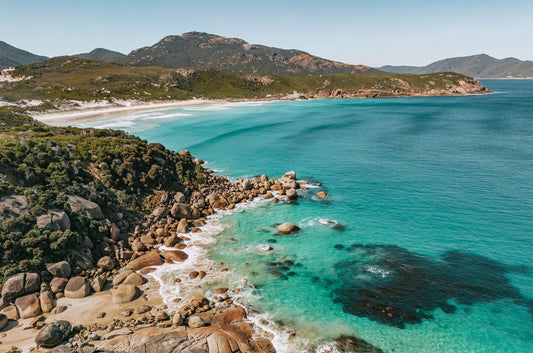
point(424, 244)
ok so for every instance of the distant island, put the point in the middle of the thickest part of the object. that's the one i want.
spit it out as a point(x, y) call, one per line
point(478, 66)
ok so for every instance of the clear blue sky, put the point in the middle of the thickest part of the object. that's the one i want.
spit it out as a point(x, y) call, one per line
point(356, 32)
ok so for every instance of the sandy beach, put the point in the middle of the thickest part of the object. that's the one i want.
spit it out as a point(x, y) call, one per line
point(65, 118)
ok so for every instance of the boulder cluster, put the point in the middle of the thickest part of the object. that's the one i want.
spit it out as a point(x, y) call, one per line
point(168, 218)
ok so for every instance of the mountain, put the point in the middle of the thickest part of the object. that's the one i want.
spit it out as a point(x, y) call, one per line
point(11, 56)
point(196, 49)
point(102, 54)
point(480, 66)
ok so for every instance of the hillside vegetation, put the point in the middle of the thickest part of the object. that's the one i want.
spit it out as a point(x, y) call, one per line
point(42, 167)
point(74, 78)
point(197, 49)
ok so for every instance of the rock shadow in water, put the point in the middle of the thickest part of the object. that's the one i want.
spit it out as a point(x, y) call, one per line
point(396, 287)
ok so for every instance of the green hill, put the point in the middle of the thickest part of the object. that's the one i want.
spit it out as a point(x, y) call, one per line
point(102, 54)
point(480, 66)
point(195, 49)
point(74, 78)
point(11, 56)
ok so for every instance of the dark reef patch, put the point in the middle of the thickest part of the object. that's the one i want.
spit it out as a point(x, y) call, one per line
point(396, 287)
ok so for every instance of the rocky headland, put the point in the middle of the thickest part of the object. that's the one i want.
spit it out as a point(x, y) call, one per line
point(101, 298)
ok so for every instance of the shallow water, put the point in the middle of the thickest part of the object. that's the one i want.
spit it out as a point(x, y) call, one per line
point(435, 195)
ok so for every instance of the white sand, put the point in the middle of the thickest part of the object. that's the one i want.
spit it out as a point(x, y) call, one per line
point(69, 117)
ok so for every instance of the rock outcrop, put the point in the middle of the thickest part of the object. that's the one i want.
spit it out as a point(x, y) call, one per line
point(85, 207)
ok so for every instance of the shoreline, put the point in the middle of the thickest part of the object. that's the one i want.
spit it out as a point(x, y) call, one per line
point(68, 116)
point(207, 297)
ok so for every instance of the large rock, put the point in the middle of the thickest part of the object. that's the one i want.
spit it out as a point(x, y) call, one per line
point(47, 301)
point(3, 321)
point(14, 286)
point(106, 263)
point(123, 293)
point(77, 287)
point(58, 284)
point(60, 269)
point(146, 260)
point(53, 333)
point(32, 282)
point(134, 279)
point(288, 228)
point(173, 256)
point(54, 220)
point(181, 210)
point(28, 306)
point(85, 207)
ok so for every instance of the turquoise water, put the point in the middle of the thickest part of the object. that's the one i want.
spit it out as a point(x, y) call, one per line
point(435, 195)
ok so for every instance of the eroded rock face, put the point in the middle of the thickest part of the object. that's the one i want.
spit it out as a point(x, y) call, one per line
point(53, 333)
point(60, 269)
point(226, 334)
point(77, 287)
point(85, 207)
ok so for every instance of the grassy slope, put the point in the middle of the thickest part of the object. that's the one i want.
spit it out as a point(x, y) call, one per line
point(82, 79)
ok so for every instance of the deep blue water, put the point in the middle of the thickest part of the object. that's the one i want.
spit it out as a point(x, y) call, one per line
point(436, 197)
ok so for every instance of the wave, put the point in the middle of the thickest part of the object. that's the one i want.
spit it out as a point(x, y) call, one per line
point(233, 133)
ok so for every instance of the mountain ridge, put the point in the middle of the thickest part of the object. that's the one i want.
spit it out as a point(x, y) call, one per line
point(199, 49)
point(13, 56)
point(479, 66)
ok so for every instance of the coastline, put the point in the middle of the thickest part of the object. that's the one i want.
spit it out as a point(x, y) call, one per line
point(65, 117)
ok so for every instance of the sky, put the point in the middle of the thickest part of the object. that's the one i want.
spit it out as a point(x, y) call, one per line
point(366, 32)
